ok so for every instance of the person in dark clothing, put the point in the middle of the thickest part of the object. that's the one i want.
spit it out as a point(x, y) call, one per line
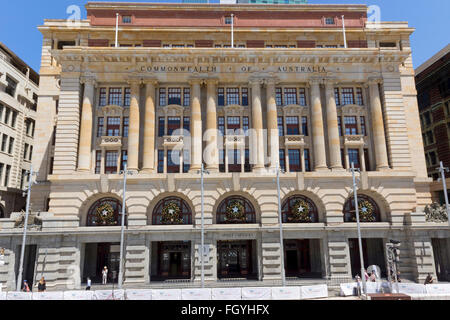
point(41, 285)
point(429, 279)
point(25, 287)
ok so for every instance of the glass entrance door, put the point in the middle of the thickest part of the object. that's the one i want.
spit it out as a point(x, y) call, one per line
point(235, 259)
point(174, 260)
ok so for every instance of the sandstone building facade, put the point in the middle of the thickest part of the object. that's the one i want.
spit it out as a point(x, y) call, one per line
point(174, 94)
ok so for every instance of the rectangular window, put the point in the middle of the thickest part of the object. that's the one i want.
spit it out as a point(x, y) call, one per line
point(52, 161)
point(245, 125)
point(234, 160)
point(307, 161)
point(340, 125)
point(173, 123)
point(4, 139)
point(337, 97)
point(11, 145)
point(362, 120)
point(353, 157)
point(294, 160)
point(98, 161)
point(232, 96)
point(351, 126)
point(347, 96)
point(228, 20)
point(173, 161)
point(162, 97)
point(160, 161)
point(14, 119)
point(305, 126)
point(1, 173)
point(31, 153)
point(282, 160)
point(100, 125)
point(247, 166)
point(245, 97)
point(161, 127)
point(127, 100)
point(126, 19)
point(220, 97)
point(25, 151)
point(124, 159)
point(11, 87)
point(221, 125)
point(186, 97)
point(302, 96)
point(7, 172)
point(221, 160)
point(233, 125)
point(290, 96)
point(175, 96)
point(115, 96)
point(126, 123)
point(187, 125)
point(278, 97)
point(186, 161)
point(2, 108)
point(7, 113)
point(111, 162)
point(292, 126)
point(367, 159)
point(329, 21)
point(359, 97)
point(280, 127)
point(22, 178)
point(113, 127)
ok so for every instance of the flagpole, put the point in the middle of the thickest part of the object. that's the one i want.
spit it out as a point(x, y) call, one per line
point(343, 30)
point(117, 30)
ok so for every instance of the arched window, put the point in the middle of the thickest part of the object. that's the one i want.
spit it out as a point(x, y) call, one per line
point(236, 210)
point(105, 212)
point(172, 210)
point(368, 209)
point(299, 209)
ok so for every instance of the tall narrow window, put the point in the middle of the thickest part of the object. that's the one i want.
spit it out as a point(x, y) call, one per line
point(25, 151)
point(305, 126)
point(7, 172)
point(294, 160)
point(187, 125)
point(186, 97)
point(11, 87)
point(2, 108)
point(362, 120)
point(353, 156)
point(221, 125)
point(160, 161)
point(339, 125)
point(126, 121)
point(347, 96)
point(11, 145)
point(1, 173)
point(98, 161)
point(161, 127)
point(173, 161)
point(302, 96)
point(245, 125)
point(115, 96)
point(186, 161)
point(7, 114)
point(31, 153)
point(337, 97)
point(307, 160)
point(113, 126)
point(278, 97)
point(4, 139)
point(359, 96)
point(343, 159)
point(282, 160)
point(127, 100)
point(233, 125)
point(290, 96)
point(14, 119)
point(247, 166)
point(175, 96)
point(111, 162)
point(173, 123)
point(367, 159)
point(280, 127)
point(162, 97)
point(220, 97)
point(245, 97)
point(234, 160)
point(292, 126)
point(351, 127)
point(232, 96)
point(221, 160)
point(100, 126)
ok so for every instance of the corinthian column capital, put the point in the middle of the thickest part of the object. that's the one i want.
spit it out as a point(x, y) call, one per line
point(315, 81)
point(89, 80)
point(330, 82)
point(374, 80)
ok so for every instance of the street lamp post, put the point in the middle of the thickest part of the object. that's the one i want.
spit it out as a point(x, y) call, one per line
point(280, 222)
point(443, 170)
point(125, 172)
point(24, 237)
point(361, 257)
point(202, 244)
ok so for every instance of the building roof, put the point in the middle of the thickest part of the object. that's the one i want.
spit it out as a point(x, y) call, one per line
point(19, 64)
point(433, 60)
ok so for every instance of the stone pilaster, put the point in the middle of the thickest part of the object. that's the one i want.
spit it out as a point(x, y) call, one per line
point(211, 152)
point(196, 127)
point(84, 152)
point(378, 125)
point(133, 131)
point(149, 128)
point(334, 143)
point(257, 126)
point(272, 124)
point(320, 162)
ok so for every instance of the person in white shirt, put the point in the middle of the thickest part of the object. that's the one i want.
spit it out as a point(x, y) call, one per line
point(89, 283)
point(105, 275)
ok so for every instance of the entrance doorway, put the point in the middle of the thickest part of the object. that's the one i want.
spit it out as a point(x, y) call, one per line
point(99, 255)
point(373, 254)
point(29, 264)
point(171, 261)
point(302, 258)
point(236, 259)
point(441, 252)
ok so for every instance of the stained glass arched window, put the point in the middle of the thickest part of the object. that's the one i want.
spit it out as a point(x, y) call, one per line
point(105, 212)
point(299, 209)
point(368, 209)
point(235, 210)
point(172, 210)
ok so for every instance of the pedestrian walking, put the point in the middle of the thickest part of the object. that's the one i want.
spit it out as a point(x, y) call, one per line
point(89, 283)
point(42, 285)
point(105, 275)
point(429, 279)
point(25, 286)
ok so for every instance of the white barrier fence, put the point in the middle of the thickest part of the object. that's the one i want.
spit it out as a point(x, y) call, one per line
point(255, 293)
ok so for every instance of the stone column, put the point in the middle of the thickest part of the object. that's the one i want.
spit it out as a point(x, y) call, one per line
point(133, 131)
point(272, 124)
point(320, 162)
point(257, 125)
point(196, 127)
point(212, 151)
point(334, 142)
point(378, 125)
point(84, 152)
point(149, 128)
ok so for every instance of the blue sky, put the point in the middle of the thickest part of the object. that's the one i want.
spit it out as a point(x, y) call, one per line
point(19, 19)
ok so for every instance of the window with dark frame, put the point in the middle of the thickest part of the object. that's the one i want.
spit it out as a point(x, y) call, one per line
point(186, 97)
point(187, 125)
point(115, 96)
point(278, 97)
point(329, 21)
point(162, 97)
point(100, 126)
point(302, 96)
point(294, 160)
point(11, 145)
point(307, 160)
point(305, 126)
point(245, 97)
point(98, 161)
point(359, 96)
point(247, 166)
point(347, 96)
point(111, 162)
point(174, 95)
point(126, 122)
point(245, 125)
point(290, 96)
point(282, 159)
point(292, 126)
point(221, 125)
point(233, 125)
point(113, 127)
point(339, 118)
point(161, 127)
point(126, 19)
point(362, 120)
point(31, 153)
point(173, 124)
point(221, 97)
point(221, 160)
point(232, 96)
point(160, 161)
point(353, 156)
point(337, 96)
point(186, 161)
point(127, 99)
point(11, 86)
point(234, 160)
point(280, 127)
point(351, 126)
point(173, 161)
point(102, 97)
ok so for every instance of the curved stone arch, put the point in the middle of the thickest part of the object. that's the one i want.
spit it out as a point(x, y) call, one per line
point(321, 211)
point(90, 201)
point(242, 194)
point(378, 198)
point(162, 195)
